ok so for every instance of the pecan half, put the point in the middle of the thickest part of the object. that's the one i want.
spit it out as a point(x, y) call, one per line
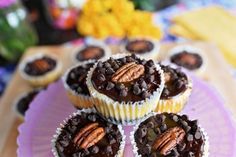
point(168, 140)
point(41, 65)
point(128, 72)
point(91, 52)
point(89, 136)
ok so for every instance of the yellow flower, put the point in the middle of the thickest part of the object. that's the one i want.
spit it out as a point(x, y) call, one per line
point(104, 18)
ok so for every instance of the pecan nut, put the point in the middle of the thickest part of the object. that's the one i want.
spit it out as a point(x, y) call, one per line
point(91, 52)
point(128, 72)
point(89, 136)
point(168, 140)
point(41, 65)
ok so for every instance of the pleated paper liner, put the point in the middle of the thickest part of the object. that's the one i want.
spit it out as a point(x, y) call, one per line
point(51, 107)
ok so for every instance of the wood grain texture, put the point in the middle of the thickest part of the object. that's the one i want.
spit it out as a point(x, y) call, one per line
point(217, 74)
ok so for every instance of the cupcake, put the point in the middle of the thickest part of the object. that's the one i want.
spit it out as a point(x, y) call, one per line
point(86, 134)
point(125, 88)
point(23, 102)
point(176, 92)
point(41, 69)
point(74, 81)
point(190, 58)
point(91, 51)
point(144, 47)
point(165, 135)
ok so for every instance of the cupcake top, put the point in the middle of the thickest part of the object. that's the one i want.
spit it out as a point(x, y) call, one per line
point(139, 46)
point(87, 134)
point(126, 79)
point(40, 66)
point(176, 82)
point(76, 78)
point(169, 135)
point(187, 59)
point(23, 103)
point(90, 52)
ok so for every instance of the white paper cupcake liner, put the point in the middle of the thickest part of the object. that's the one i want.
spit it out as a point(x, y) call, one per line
point(135, 148)
point(78, 100)
point(191, 49)
point(99, 43)
point(125, 113)
point(78, 112)
point(153, 54)
point(45, 79)
point(176, 103)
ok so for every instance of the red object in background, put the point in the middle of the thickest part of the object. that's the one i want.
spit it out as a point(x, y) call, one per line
point(63, 18)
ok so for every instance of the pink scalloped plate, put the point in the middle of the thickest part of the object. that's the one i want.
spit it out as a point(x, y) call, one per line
point(51, 107)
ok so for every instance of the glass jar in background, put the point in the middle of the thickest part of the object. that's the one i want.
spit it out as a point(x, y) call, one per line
point(63, 14)
point(16, 33)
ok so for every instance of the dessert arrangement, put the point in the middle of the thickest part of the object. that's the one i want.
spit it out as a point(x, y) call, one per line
point(112, 92)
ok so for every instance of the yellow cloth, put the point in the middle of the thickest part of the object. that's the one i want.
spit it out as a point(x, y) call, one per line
point(210, 24)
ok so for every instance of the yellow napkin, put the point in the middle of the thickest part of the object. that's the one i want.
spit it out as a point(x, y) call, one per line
point(210, 24)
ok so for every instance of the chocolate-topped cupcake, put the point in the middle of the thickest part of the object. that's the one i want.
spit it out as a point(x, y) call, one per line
point(92, 51)
point(125, 87)
point(176, 92)
point(167, 135)
point(41, 69)
point(86, 134)
point(188, 57)
point(23, 102)
point(144, 47)
point(74, 81)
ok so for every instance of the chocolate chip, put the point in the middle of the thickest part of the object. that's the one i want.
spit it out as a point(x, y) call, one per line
point(147, 149)
point(116, 66)
point(101, 77)
point(184, 117)
point(145, 94)
point(136, 89)
point(151, 78)
point(174, 153)
point(92, 118)
point(79, 90)
point(78, 154)
point(190, 137)
point(72, 75)
point(129, 59)
point(107, 65)
point(95, 149)
point(120, 86)
point(181, 147)
point(150, 70)
point(123, 92)
point(111, 139)
point(143, 62)
point(150, 63)
point(142, 132)
point(157, 130)
point(191, 154)
point(195, 122)
point(75, 121)
point(64, 143)
point(179, 84)
point(100, 64)
point(187, 128)
point(110, 71)
point(72, 128)
point(110, 85)
point(143, 84)
point(150, 125)
point(163, 127)
point(165, 92)
point(134, 56)
point(102, 70)
point(163, 118)
point(175, 118)
point(123, 60)
point(184, 123)
point(109, 150)
point(197, 135)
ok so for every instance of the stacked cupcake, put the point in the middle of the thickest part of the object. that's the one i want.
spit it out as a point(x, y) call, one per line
point(126, 89)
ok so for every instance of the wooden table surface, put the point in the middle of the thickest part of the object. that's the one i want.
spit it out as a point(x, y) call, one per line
point(217, 74)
